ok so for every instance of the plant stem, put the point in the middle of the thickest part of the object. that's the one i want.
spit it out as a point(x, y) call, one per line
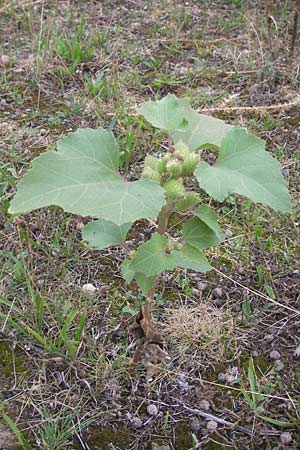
point(163, 217)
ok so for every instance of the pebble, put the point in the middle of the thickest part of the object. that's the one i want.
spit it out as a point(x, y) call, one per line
point(221, 377)
point(230, 379)
point(155, 446)
point(195, 425)
point(152, 410)
point(211, 426)
point(136, 422)
point(274, 354)
point(296, 353)
point(279, 365)
point(217, 292)
point(195, 292)
point(228, 233)
point(269, 337)
point(286, 438)
point(89, 288)
point(201, 286)
point(204, 405)
point(4, 60)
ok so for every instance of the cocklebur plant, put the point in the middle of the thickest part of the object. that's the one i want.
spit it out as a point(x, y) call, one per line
point(82, 177)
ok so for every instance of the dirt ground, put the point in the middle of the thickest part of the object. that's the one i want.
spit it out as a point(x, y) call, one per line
point(231, 378)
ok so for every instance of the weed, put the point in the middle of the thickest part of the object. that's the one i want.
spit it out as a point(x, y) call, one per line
point(76, 46)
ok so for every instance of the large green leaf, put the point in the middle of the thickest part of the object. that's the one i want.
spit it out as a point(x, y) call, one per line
point(144, 283)
point(167, 113)
point(82, 177)
point(154, 257)
point(201, 131)
point(203, 230)
point(103, 233)
point(244, 167)
point(183, 123)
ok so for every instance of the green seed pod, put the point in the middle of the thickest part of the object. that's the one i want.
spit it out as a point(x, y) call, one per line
point(151, 162)
point(182, 149)
point(161, 166)
point(190, 199)
point(151, 174)
point(174, 168)
point(167, 157)
point(174, 189)
point(189, 164)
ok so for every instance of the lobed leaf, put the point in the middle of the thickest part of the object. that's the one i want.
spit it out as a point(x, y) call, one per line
point(244, 167)
point(144, 283)
point(203, 230)
point(103, 233)
point(201, 130)
point(82, 177)
point(153, 258)
point(167, 113)
point(183, 123)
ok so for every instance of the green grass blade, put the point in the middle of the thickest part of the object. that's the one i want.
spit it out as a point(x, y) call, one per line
point(18, 433)
point(278, 423)
point(80, 327)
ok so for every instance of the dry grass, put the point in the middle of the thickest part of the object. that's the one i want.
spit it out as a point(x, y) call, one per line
point(201, 330)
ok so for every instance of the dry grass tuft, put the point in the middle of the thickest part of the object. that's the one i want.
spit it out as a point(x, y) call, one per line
point(202, 331)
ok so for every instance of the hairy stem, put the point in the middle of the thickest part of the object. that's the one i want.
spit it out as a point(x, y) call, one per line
point(163, 217)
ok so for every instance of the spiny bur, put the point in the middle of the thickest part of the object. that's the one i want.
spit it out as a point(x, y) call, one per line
point(174, 189)
point(189, 164)
point(174, 168)
point(181, 150)
point(187, 202)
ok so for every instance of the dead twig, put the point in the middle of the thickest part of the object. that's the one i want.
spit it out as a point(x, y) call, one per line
point(199, 412)
point(277, 107)
point(294, 32)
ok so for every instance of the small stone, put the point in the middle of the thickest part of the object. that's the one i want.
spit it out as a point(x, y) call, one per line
point(4, 60)
point(254, 354)
point(195, 425)
point(274, 354)
point(279, 365)
point(43, 131)
point(228, 233)
point(269, 337)
point(212, 426)
point(221, 377)
point(155, 446)
point(217, 292)
point(152, 410)
point(286, 438)
point(201, 286)
point(230, 379)
point(195, 292)
point(136, 422)
point(296, 353)
point(204, 405)
point(89, 288)
point(218, 301)
point(55, 251)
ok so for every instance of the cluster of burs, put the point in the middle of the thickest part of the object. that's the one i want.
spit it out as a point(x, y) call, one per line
point(170, 171)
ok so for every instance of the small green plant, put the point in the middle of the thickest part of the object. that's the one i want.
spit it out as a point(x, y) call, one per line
point(259, 396)
point(75, 47)
point(19, 435)
point(83, 178)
